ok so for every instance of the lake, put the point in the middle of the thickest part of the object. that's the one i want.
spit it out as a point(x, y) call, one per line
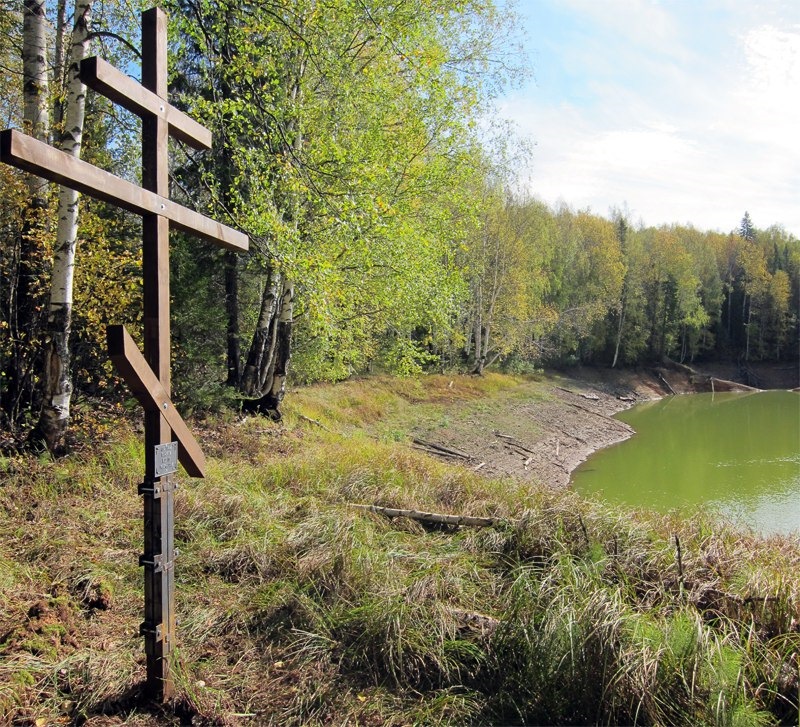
point(735, 453)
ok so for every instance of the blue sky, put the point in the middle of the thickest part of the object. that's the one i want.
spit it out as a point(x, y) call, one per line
point(679, 111)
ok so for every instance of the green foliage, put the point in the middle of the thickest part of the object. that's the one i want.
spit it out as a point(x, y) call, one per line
point(344, 140)
point(347, 146)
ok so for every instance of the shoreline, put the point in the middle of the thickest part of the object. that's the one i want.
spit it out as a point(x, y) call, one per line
point(551, 425)
point(598, 399)
point(545, 429)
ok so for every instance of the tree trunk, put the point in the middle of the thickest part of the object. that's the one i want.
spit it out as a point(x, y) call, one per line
point(747, 329)
point(271, 401)
point(730, 310)
point(54, 417)
point(26, 300)
point(478, 328)
point(257, 371)
point(234, 354)
point(34, 70)
point(653, 311)
point(619, 334)
point(271, 349)
point(662, 344)
point(487, 336)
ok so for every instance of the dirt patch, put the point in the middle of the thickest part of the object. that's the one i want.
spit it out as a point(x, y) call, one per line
point(545, 435)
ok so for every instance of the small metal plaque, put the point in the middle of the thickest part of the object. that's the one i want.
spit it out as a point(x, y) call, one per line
point(166, 460)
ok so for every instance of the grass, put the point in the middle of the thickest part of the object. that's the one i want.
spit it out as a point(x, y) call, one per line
point(298, 609)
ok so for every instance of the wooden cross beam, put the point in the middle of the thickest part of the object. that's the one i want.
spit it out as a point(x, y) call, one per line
point(147, 375)
point(152, 396)
point(39, 158)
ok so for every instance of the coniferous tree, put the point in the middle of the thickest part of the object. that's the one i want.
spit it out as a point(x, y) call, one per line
point(746, 229)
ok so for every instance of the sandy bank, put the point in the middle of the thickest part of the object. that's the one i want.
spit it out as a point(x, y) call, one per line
point(544, 437)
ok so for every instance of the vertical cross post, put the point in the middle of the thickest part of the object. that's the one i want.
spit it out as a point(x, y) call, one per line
point(147, 375)
point(158, 559)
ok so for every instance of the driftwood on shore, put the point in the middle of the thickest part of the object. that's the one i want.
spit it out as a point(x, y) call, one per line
point(700, 381)
point(666, 383)
point(441, 450)
point(591, 397)
point(725, 385)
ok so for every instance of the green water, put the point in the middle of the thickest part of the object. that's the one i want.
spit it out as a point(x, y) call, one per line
point(738, 454)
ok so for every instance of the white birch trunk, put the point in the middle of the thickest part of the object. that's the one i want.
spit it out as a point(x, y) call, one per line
point(284, 348)
point(258, 369)
point(54, 417)
point(620, 326)
point(24, 317)
point(34, 70)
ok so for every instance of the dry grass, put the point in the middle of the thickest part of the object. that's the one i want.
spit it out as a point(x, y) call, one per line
point(298, 609)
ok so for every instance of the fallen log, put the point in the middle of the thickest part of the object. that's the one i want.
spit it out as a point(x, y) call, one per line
point(315, 422)
point(592, 397)
point(429, 517)
point(514, 442)
point(726, 385)
point(437, 452)
point(611, 422)
point(666, 383)
point(440, 448)
point(521, 451)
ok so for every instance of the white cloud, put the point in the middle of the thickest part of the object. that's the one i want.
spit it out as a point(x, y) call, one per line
point(769, 97)
point(682, 121)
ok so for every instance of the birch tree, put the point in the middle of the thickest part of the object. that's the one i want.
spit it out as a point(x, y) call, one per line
point(54, 416)
point(508, 261)
point(25, 297)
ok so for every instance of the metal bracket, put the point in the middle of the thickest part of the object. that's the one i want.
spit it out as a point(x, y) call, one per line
point(157, 563)
point(146, 629)
point(155, 488)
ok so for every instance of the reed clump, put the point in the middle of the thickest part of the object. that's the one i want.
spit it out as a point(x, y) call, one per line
point(297, 608)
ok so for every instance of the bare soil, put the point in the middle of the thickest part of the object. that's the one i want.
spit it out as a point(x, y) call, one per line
point(542, 433)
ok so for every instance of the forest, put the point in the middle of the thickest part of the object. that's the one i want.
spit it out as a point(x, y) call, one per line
point(356, 143)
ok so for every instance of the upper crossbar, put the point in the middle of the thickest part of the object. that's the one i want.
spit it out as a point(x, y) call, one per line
point(130, 94)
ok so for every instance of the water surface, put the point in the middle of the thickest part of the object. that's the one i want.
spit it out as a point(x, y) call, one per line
point(738, 454)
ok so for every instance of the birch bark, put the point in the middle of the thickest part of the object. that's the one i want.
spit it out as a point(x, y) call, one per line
point(24, 317)
point(55, 413)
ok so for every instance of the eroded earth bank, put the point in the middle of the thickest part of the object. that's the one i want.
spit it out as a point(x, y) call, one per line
point(544, 438)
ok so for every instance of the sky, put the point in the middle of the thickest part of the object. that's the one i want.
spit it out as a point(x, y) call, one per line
point(678, 111)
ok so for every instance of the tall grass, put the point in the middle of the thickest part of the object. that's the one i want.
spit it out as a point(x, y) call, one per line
point(298, 609)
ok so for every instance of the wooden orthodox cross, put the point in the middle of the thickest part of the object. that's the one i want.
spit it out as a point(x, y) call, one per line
point(147, 375)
